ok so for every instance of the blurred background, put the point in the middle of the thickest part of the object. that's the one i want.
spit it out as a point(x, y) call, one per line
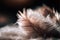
point(9, 8)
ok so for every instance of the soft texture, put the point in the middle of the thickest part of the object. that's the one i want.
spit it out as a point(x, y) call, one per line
point(32, 25)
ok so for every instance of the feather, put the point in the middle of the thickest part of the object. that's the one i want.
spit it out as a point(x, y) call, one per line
point(32, 25)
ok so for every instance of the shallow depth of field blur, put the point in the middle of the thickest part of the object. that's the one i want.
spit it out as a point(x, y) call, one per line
point(9, 8)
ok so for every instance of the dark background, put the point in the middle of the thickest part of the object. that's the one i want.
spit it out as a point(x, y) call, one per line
point(11, 7)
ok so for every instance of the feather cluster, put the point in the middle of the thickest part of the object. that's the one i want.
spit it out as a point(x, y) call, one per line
point(32, 25)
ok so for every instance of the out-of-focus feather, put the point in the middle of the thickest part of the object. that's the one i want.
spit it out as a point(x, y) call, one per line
point(32, 25)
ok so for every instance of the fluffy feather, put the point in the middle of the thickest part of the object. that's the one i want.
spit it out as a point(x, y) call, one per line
point(32, 25)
